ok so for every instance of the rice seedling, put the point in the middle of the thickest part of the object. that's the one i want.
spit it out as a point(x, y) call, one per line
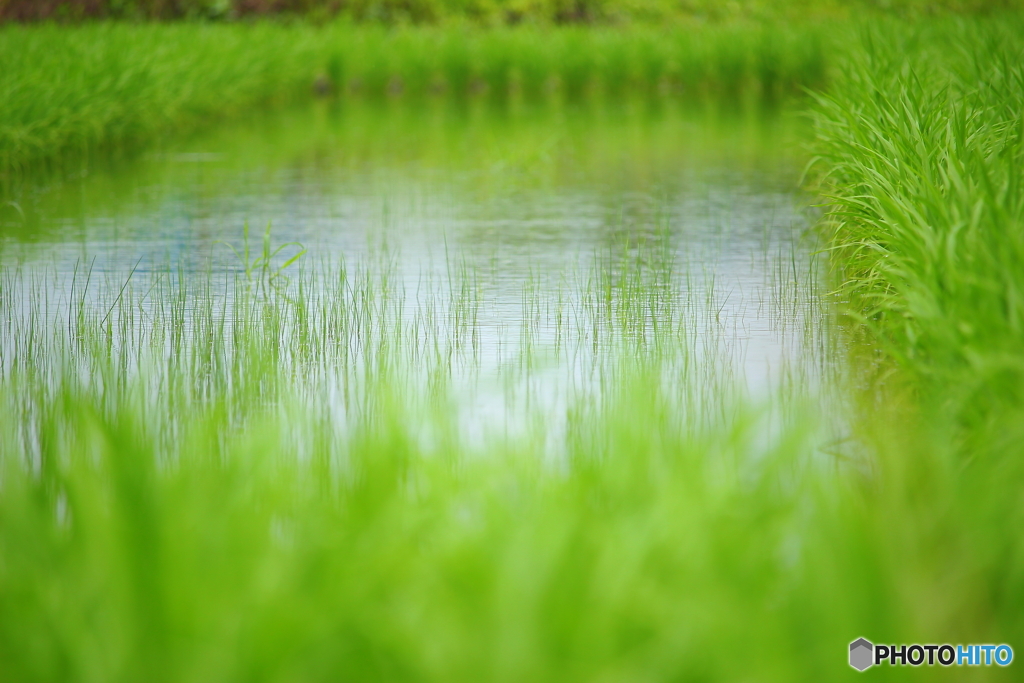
point(66, 91)
point(923, 149)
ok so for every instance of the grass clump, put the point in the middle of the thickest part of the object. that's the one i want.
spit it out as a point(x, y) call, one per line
point(67, 91)
point(924, 147)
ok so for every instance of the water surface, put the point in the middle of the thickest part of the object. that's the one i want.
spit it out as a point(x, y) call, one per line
point(537, 209)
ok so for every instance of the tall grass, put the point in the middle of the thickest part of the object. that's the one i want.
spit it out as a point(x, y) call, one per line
point(68, 91)
point(924, 143)
point(921, 138)
point(65, 91)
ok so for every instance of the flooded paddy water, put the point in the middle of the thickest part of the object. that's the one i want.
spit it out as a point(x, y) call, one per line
point(508, 260)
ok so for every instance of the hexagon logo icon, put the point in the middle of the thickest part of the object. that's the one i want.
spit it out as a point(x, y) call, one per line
point(861, 651)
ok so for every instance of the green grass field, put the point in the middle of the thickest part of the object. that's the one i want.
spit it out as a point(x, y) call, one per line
point(177, 504)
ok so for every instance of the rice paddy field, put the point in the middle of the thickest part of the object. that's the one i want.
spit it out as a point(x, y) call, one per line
point(341, 351)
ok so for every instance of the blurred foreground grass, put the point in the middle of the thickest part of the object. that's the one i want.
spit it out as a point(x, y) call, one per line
point(250, 479)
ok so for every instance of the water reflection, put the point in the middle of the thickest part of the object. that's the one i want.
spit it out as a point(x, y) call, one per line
point(532, 214)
